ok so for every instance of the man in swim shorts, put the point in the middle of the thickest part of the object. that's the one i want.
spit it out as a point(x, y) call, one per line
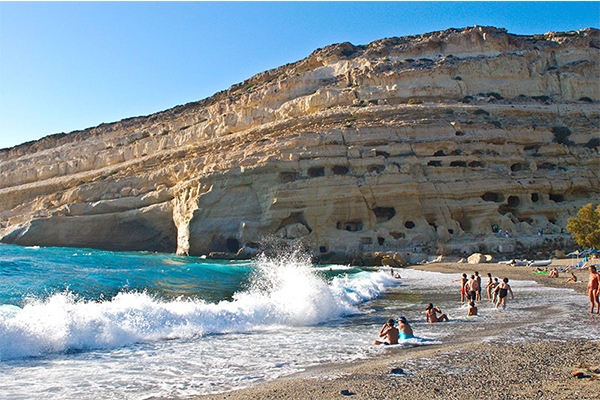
point(431, 314)
point(594, 289)
point(405, 329)
point(463, 290)
point(390, 332)
point(472, 287)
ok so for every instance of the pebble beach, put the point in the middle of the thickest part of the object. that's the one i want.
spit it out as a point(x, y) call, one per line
point(464, 368)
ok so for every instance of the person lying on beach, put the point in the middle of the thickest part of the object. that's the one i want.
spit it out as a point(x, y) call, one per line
point(472, 309)
point(593, 289)
point(390, 332)
point(503, 290)
point(572, 279)
point(431, 314)
point(405, 329)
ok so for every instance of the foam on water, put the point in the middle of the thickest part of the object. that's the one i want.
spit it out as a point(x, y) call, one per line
point(280, 293)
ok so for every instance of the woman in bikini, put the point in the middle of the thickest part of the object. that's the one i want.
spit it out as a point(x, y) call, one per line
point(503, 290)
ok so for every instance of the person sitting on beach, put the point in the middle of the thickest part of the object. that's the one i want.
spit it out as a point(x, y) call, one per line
point(431, 314)
point(405, 329)
point(593, 289)
point(553, 273)
point(472, 309)
point(503, 290)
point(390, 332)
point(572, 279)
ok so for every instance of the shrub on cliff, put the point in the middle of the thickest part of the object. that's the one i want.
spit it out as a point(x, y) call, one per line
point(585, 228)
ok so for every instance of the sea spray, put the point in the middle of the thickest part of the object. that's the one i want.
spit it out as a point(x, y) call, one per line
point(281, 291)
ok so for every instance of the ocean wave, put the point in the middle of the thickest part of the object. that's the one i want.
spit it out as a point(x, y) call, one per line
point(281, 292)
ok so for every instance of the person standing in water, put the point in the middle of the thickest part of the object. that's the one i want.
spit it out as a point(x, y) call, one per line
point(463, 290)
point(503, 290)
point(389, 332)
point(594, 289)
point(472, 288)
point(431, 314)
point(489, 286)
point(478, 279)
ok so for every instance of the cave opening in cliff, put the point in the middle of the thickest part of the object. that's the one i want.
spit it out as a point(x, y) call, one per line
point(381, 240)
point(315, 172)
point(458, 164)
point(491, 196)
point(233, 245)
point(434, 163)
point(340, 170)
point(409, 225)
point(287, 176)
point(350, 226)
point(557, 198)
point(535, 197)
point(513, 201)
point(384, 214)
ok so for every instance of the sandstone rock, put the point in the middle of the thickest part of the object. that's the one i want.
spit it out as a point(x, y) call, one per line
point(476, 258)
point(328, 151)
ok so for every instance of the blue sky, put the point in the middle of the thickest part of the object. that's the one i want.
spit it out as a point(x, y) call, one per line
point(68, 66)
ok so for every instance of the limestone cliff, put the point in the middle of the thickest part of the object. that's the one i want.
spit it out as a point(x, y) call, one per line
point(424, 142)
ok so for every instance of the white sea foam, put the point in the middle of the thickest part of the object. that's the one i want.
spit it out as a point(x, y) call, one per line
point(281, 293)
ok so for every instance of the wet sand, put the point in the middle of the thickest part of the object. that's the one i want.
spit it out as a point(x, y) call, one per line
point(545, 370)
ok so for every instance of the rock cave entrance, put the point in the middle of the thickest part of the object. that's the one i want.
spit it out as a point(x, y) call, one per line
point(384, 214)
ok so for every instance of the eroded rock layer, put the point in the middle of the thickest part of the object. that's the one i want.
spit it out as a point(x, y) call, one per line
point(429, 142)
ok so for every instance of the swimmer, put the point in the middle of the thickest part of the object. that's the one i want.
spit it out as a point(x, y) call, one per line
point(472, 309)
point(431, 314)
point(390, 332)
point(405, 329)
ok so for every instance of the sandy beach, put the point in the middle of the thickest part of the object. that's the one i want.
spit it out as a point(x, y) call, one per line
point(464, 369)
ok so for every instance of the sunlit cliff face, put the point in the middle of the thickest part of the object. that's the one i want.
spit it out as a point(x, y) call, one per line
point(424, 143)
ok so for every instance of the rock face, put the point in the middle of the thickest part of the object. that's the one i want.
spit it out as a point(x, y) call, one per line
point(428, 143)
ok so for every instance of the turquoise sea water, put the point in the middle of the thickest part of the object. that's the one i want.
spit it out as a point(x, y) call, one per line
point(80, 323)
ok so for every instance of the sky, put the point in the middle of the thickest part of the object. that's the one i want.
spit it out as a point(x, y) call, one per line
point(67, 66)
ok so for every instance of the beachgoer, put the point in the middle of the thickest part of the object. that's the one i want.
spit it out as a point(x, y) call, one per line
point(390, 332)
point(478, 279)
point(503, 290)
point(405, 329)
point(572, 279)
point(593, 289)
point(431, 314)
point(463, 290)
point(495, 290)
point(489, 285)
point(472, 309)
point(472, 287)
point(553, 273)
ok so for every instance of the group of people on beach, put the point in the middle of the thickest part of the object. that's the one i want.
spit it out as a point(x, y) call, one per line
point(470, 291)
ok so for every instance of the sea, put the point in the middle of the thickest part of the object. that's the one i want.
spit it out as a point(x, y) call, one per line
point(91, 324)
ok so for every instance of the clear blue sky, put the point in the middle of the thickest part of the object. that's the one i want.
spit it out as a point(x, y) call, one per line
point(72, 65)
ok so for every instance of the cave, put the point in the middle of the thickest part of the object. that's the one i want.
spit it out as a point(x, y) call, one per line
point(314, 172)
point(381, 241)
point(233, 245)
point(340, 170)
point(458, 164)
point(491, 196)
point(517, 167)
point(376, 169)
point(476, 164)
point(350, 226)
point(535, 197)
point(287, 176)
point(434, 163)
point(439, 153)
point(397, 235)
point(409, 225)
point(557, 198)
point(513, 201)
point(323, 249)
point(384, 214)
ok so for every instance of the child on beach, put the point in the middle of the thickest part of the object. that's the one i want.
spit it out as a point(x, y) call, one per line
point(390, 332)
point(431, 314)
point(503, 290)
point(594, 289)
point(472, 309)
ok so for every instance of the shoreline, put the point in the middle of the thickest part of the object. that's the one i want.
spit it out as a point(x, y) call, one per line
point(544, 369)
